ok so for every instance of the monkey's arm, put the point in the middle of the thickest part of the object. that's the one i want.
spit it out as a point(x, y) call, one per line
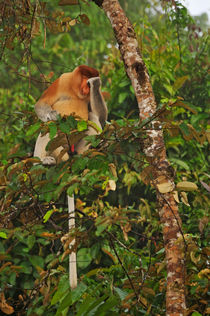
point(97, 103)
point(97, 114)
point(45, 112)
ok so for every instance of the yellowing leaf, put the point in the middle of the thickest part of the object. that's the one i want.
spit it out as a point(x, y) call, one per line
point(14, 149)
point(165, 187)
point(208, 135)
point(187, 186)
point(179, 82)
point(113, 169)
point(194, 258)
point(184, 198)
point(143, 300)
point(186, 106)
point(73, 22)
point(114, 259)
point(203, 223)
point(205, 185)
point(204, 272)
point(48, 235)
point(112, 185)
point(161, 266)
point(4, 307)
point(126, 228)
point(176, 197)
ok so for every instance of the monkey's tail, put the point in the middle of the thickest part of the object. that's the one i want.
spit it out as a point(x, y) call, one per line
point(72, 256)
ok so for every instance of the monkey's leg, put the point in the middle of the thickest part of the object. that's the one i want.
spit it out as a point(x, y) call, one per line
point(40, 150)
point(46, 157)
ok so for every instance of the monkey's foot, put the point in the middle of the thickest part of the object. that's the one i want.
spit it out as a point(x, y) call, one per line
point(49, 160)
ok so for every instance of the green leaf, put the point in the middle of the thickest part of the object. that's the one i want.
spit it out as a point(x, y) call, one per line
point(101, 228)
point(3, 235)
point(37, 261)
point(90, 303)
point(64, 127)
point(63, 287)
point(32, 129)
point(196, 314)
point(162, 250)
point(85, 306)
point(78, 292)
point(181, 163)
point(53, 130)
point(12, 278)
point(69, 124)
point(185, 129)
point(107, 306)
point(66, 302)
point(93, 140)
point(59, 294)
point(69, 299)
point(122, 294)
point(123, 84)
point(83, 258)
point(71, 189)
point(79, 164)
point(47, 215)
point(31, 241)
point(82, 126)
point(26, 267)
point(169, 89)
point(122, 96)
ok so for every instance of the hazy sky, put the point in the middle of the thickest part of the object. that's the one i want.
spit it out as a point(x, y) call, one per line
point(196, 7)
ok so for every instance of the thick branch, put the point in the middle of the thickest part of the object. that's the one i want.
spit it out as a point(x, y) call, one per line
point(155, 152)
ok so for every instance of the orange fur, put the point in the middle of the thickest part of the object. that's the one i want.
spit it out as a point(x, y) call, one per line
point(69, 94)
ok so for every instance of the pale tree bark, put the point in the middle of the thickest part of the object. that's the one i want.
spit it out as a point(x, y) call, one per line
point(154, 149)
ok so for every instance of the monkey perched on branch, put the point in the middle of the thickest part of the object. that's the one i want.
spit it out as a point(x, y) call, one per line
point(75, 93)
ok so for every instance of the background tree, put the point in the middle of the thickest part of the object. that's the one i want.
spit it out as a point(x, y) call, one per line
point(118, 232)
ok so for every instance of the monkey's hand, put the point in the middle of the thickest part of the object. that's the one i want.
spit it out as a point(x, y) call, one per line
point(52, 115)
point(94, 82)
point(45, 112)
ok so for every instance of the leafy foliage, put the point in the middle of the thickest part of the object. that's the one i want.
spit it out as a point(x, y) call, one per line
point(119, 243)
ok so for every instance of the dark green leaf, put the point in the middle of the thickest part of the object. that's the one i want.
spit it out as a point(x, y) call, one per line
point(83, 258)
point(53, 130)
point(32, 129)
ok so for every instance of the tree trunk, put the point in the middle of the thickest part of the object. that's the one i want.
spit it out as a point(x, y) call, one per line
point(154, 149)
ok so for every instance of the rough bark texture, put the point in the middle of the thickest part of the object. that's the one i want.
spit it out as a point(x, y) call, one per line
point(155, 152)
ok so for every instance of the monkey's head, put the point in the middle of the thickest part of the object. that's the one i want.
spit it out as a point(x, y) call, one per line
point(80, 76)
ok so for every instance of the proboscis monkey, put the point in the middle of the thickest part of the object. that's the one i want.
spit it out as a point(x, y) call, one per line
point(74, 93)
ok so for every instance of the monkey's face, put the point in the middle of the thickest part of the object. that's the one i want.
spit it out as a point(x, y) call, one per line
point(80, 86)
point(80, 76)
point(85, 89)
